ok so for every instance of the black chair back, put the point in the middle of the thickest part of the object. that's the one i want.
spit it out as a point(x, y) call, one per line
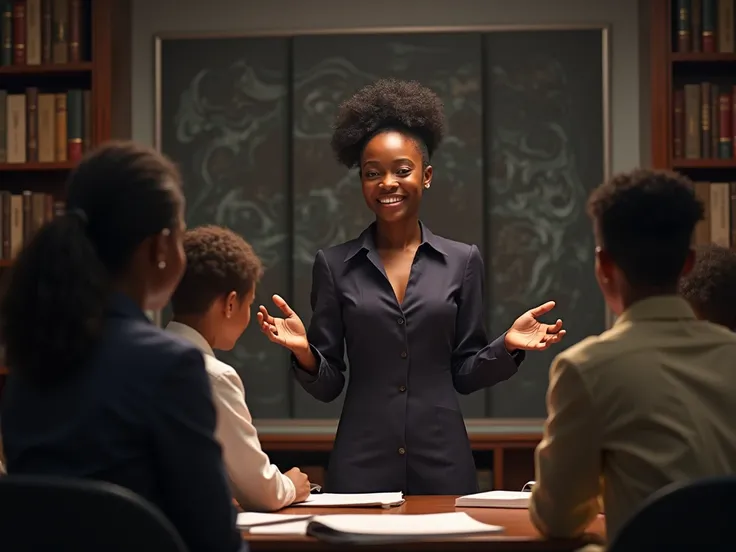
point(43, 513)
point(695, 516)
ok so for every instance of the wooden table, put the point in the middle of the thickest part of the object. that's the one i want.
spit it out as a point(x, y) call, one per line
point(518, 535)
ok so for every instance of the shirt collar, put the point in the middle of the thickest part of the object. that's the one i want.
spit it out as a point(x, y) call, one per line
point(191, 335)
point(366, 241)
point(663, 308)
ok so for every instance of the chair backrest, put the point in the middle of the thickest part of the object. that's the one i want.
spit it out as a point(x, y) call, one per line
point(46, 513)
point(697, 516)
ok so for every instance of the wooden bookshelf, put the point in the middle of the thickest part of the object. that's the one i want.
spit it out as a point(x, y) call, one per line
point(693, 99)
point(99, 68)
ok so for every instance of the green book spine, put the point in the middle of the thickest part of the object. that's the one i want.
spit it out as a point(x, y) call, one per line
point(74, 124)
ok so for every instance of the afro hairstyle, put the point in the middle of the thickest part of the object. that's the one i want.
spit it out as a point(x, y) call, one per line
point(709, 286)
point(388, 104)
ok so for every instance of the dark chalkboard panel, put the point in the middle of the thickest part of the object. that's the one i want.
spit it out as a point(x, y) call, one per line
point(328, 204)
point(224, 120)
point(545, 152)
point(249, 120)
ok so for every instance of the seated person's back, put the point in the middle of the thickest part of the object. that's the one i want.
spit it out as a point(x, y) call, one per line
point(96, 390)
point(652, 400)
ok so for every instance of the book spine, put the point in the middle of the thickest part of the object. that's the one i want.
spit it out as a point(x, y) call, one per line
point(19, 33)
point(33, 32)
point(6, 222)
point(60, 44)
point(3, 126)
point(6, 32)
point(678, 151)
point(725, 140)
point(702, 228)
point(725, 26)
point(32, 124)
point(75, 32)
point(16, 121)
point(75, 125)
point(683, 25)
point(714, 120)
point(705, 138)
point(46, 128)
point(692, 121)
point(710, 15)
point(47, 31)
point(87, 137)
point(696, 24)
point(60, 126)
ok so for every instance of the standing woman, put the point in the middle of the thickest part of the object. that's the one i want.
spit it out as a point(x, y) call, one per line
point(95, 389)
point(408, 305)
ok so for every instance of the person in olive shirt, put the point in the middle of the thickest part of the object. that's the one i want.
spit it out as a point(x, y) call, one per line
point(651, 401)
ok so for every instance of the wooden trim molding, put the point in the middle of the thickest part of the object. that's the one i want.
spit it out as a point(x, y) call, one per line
point(318, 435)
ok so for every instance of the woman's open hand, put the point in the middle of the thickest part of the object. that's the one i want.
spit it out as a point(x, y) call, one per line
point(529, 334)
point(288, 331)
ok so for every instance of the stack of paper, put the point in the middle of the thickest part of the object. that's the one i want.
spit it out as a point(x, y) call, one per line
point(339, 500)
point(368, 528)
point(494, 499)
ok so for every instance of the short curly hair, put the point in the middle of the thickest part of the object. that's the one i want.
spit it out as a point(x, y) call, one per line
point(388, 104)
point(218, 261)
point(710, 286)
point(645, 220)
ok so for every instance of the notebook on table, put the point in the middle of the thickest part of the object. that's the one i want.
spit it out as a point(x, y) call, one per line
point(369, 528)
point(359, 500)
point(497, 499)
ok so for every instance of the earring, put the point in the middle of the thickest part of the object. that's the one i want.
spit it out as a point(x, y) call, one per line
point(427, 185)
point(161, 265)
point(166, 232)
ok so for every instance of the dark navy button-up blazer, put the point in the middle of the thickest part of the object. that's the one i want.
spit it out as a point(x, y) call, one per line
point(401, 427)
point(140, 415)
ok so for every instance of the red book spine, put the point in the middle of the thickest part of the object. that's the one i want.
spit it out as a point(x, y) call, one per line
point(19, 32)
point(74, 150)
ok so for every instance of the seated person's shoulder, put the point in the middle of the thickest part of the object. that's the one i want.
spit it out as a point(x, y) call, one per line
point(591, 353)
point(152, 349)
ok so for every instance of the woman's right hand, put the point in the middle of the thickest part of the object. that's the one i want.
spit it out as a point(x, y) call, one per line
point(288, 332)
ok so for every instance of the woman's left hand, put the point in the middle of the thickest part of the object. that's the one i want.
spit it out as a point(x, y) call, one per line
point(530, 334)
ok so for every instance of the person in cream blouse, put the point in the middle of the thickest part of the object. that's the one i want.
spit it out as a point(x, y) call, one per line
point(211, 310)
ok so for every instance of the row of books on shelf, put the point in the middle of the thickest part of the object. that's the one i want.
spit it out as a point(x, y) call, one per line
point(704, 121)
point(704, 26)
point(38, 127)
point(719, 223)
point(35, 32)
point(21, 215)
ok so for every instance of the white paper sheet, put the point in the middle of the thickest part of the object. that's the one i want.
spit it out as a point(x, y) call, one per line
point(494, 499)
point(417, 525)
point(246, 520)
point(331, 500)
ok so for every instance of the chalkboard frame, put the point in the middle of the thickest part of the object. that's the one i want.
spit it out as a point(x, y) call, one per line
point(604, 66)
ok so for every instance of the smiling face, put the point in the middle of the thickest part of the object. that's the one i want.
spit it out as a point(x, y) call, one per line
point(393, 175)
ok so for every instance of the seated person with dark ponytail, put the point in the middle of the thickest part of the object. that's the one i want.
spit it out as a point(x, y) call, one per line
point(95, 389)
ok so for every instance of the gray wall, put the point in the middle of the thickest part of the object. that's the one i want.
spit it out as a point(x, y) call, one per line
point(628, 112)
